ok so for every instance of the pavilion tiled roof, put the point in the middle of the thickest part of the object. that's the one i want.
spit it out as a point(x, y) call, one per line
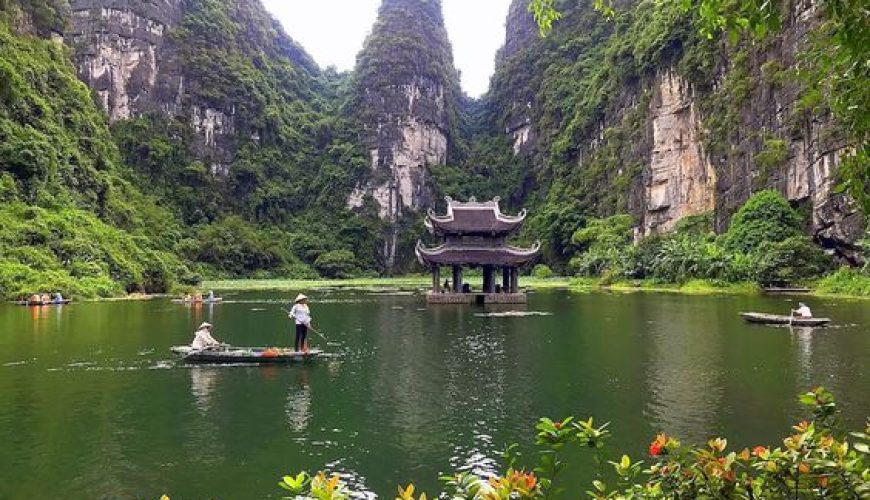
point(457, 254)
point(473, 217)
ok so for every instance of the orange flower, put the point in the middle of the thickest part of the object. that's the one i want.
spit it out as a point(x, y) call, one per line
point(823, 481)
point(531, 481)
point(557, 425)
point(804, 468)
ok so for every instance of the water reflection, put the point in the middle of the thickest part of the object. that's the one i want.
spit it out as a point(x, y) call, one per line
point(203, 380)
point(803, 338)
point(298, 406)
point(203, 444)
point(684, 368)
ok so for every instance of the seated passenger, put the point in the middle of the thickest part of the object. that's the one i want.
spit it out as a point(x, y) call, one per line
point(202, 338)
point(803, 311)
point(34, 299)
point(58, 298)
point(45, 299)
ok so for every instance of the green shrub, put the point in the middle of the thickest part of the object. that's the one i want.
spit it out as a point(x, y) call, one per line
point(792, 260)
point(336, 264)
point(765, 217)
point(847, 281)
point(604, 245)
point(542, 271)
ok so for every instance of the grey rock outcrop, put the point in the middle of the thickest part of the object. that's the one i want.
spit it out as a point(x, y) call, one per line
point(406, 96)
point(119, 53)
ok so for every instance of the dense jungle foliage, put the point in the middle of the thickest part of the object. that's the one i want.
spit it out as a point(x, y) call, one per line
point(90, 209)
point(763, 244)
point(611, 64)
point(295, 156)
point(71, 220)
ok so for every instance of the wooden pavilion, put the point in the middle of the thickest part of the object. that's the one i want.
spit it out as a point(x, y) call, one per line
point(475, 234)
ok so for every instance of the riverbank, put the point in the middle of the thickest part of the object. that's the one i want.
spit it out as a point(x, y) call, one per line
point(826, 288)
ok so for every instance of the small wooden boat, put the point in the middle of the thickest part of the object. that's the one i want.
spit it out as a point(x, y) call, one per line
point(776, 319)
point(40, 303)
point(245, 355)
point(203, 301)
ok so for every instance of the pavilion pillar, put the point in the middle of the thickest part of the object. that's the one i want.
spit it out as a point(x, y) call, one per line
point(506, 279)
point(436, 279)
point(488, 279)
point(515, 280)
point(457, 279)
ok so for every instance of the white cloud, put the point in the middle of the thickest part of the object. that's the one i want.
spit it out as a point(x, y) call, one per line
point(332, 31)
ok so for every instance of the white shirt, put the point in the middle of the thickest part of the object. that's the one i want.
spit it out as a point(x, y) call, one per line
point(804, 312)
point(301, 314)
point(203, 339)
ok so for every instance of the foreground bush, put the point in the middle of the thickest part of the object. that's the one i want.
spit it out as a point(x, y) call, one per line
point(816, 460)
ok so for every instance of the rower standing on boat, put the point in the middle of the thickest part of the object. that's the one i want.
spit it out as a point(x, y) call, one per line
point(803, 311)
point(202, 338)
point(302, 317)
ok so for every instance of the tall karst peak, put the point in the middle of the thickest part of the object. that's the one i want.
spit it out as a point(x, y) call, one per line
point(406, 92)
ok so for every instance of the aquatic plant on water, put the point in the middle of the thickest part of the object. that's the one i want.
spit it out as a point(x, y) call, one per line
point(818, 459)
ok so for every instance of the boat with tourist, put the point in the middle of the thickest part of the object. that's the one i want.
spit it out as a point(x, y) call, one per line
point(229, 355)
point(778, 319)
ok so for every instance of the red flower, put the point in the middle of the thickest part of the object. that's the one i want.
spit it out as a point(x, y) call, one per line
point(655, 449)
point(557, 425)
point(759, 451)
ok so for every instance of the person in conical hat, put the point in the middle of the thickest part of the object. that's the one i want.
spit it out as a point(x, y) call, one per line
point(302, 317)
point(202, 338)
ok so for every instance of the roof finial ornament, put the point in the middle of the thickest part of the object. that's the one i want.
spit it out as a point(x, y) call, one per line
point(473, 199)
point(448, 199)
point(496, 199)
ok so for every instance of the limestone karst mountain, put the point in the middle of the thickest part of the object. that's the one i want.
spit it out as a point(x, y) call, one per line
point(261, 162)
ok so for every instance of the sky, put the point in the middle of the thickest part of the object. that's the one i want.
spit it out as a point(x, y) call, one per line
point(332, 31)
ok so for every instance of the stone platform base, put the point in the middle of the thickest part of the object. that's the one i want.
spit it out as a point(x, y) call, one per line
point(476, 298)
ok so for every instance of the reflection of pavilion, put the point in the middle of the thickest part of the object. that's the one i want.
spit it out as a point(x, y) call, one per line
point(475, 234)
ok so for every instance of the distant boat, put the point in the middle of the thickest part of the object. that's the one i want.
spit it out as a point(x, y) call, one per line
point(41, 303)
point(203, 301)
point(776, 319)
point(245, 355)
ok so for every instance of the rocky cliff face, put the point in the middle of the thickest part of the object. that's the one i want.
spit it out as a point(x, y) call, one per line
point(119, 53)
point(406, 95)
point(662, 139)
point(521, 33)
point(151, 56)
point(678, 179)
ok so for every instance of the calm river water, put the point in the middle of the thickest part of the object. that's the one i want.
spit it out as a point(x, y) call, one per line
point(92, 404)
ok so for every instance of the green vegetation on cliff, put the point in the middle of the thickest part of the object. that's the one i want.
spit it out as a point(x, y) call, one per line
point(276, 189)
point(764, 244)
point(69, 220)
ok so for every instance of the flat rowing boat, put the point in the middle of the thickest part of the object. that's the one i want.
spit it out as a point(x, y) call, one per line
point(776, 319)
point(245, 355)
point(49, 303)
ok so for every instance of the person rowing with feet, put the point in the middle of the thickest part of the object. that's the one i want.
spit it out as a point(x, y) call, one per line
point(202, 338)
point(302, 317)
